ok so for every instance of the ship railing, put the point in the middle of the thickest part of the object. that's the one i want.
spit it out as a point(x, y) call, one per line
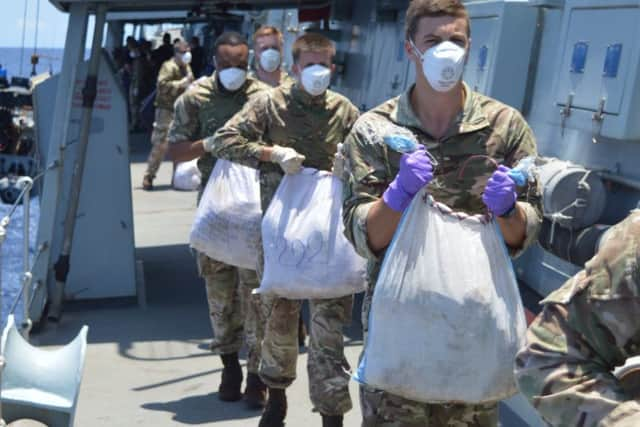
point(25, 185)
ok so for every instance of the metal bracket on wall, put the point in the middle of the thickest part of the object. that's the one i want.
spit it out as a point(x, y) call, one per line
point(287, 24)
point(598, 118)
point(565, 112)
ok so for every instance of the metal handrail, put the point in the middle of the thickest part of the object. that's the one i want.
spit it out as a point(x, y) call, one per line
point(25, 196)
point(27, 278)
point(26, 184)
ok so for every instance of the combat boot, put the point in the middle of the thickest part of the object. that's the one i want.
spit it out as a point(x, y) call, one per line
point(230, 389)
point(147, 183)
point(276, 409)
point(331, 420)
point(256, 392)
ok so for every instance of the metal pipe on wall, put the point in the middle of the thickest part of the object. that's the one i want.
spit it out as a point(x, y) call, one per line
point(58, 140)
point(88, 98)
point(620, 180)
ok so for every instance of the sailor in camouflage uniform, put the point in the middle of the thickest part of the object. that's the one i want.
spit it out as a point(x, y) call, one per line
point(174, 78)
point(461, 130)
point(267, 45)
point(587, 328)
point(292, 125)
point(199, 112)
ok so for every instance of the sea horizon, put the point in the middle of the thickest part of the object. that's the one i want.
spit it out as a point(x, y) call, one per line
point(11, 58)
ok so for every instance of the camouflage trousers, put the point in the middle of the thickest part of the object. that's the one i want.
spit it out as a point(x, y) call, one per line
point(327, 367)
point(382, 409)
point(236, 314)
point(159, 142)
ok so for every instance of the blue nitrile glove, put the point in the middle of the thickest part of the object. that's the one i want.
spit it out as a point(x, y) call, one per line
point(415, 172)
point(500, 192)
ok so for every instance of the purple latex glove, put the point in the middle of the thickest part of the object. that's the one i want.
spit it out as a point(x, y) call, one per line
point(500, 193)
point(415, 172)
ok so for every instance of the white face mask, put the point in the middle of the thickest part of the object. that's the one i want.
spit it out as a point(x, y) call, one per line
point(442, 65)
point(316, 79)
point(232, 78)
point(270, 60)
point(186, 58)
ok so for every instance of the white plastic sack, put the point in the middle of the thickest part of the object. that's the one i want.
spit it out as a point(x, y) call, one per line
point(227, 223)
point(305, 252)
point(446, 319)
point(187, 176)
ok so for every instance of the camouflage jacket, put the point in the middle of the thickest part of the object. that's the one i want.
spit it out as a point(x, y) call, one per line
point(203, 109)
point(485, 127)
point(289, 117)
point(169, 88)
point(587, 327)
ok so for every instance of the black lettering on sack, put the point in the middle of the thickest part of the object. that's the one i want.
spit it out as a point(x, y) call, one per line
point(297, 253)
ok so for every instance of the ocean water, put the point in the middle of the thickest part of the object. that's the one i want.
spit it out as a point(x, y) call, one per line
point(12, 58)
point(11, 261)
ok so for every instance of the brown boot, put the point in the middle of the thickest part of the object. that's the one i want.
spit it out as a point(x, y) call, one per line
point(256, 392)
point(276, 409)
point(231, 384)
point(147, 183)
point(331, 420)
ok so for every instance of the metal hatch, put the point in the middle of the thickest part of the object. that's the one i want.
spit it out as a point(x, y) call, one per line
point(598, 54)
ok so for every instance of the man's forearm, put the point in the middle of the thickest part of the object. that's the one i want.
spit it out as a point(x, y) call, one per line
point(382, 222)
point(185, 151)
point(265, 154)
point(514, 228)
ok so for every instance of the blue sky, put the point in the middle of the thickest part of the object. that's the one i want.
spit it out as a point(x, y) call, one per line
point(52, 24)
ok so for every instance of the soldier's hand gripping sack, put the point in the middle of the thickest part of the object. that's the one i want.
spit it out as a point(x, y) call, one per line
point(227, 223)
point(447, 304)
point(305, 252)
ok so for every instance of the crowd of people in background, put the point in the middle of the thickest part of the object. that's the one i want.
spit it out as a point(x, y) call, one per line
point(138, 65)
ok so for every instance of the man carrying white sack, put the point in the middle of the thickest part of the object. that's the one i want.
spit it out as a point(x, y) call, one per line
point(292, 125)
point(200, 111)
point(462, 130)
point(268, 45)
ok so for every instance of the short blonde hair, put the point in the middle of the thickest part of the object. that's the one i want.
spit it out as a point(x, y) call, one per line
point(312, 42)
point(267, 30)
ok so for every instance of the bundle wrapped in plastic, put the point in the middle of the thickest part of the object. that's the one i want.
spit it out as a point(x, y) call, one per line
point(446, 319)
point(227, 223)
point(187, 176)
point(305, 252)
